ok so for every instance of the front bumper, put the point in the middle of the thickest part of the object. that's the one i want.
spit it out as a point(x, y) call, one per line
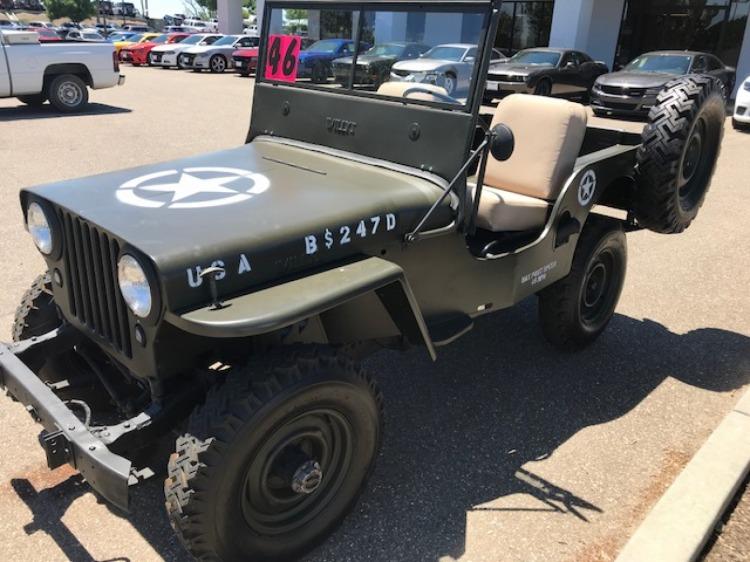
point(167, 60)
point(245, 64)
point(742, 112)
point(621, 104)
point(501, 88)
point(201, 63)
point(65, 438)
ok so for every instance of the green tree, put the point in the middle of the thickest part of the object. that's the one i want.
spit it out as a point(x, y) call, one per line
point(76, 10)
point(295, 14)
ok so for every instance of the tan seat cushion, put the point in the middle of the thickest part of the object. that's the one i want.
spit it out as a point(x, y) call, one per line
point(548, 136)
point(505, 211)
point(397, 90)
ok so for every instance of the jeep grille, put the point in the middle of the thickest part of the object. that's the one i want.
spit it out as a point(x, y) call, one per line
point(91, 278)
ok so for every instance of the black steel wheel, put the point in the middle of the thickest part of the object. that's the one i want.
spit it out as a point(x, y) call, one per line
point(574, 311)
point(275, 458)
point(677, 158)
point(67, 93)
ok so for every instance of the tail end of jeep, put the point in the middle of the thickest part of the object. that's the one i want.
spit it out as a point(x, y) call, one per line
point(225, 300)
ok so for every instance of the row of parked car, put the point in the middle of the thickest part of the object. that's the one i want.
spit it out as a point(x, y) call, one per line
point(630, 91)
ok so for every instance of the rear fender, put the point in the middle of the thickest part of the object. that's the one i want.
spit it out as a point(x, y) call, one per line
point(339, 296)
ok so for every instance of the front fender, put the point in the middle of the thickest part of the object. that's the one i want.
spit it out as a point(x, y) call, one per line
point(277, 307)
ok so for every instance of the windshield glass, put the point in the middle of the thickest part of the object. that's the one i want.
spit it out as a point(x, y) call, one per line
point(159, 38)
point(93, 36)
point(328, 46)
point(134, 37)
point(429, 57)
point(536, 57)
point(385, 50)
point(445, 53)
point(192, 40)
point(228, 40)
point(667, 64)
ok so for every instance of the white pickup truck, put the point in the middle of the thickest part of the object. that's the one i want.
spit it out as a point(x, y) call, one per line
point(60, 73)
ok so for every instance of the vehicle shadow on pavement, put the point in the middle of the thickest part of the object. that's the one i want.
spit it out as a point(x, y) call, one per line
point(459, 432)
point(24, 112)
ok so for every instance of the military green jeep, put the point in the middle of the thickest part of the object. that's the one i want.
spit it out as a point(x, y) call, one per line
point(225, 299)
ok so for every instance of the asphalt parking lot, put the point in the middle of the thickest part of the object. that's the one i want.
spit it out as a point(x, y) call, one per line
point(502, 450)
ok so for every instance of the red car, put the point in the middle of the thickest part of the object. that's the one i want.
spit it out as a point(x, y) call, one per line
point(139, 53)
point(246, 60)
point(47, 35)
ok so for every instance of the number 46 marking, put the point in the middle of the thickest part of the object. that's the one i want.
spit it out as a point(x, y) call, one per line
point(283, 57)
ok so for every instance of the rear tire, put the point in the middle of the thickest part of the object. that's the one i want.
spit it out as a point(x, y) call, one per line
point(33, 100)
point(275, 458)
point(67, 93)
point(676, 161)
point(575, 310)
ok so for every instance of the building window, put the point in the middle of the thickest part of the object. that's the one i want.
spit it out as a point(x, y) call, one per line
point(524, 24)
point(714, 26)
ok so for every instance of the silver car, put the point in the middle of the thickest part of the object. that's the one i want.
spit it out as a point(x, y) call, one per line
point(167, 55)
point(449, 66)
point(216, 57)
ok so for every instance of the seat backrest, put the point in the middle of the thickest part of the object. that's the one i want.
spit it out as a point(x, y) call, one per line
point(401, 89)
point(548, 135)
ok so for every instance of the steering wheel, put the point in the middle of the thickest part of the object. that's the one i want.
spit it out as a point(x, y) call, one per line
point(441, 97)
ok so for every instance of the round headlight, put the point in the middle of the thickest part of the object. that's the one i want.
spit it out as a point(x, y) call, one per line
point(39, 228)
point(134, 285)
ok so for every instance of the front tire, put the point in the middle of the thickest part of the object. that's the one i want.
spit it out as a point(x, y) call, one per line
point(218, 64)
point(67, 93)
point(677, 158)
point(275, 458)
point(543, 88)
point(575, 310)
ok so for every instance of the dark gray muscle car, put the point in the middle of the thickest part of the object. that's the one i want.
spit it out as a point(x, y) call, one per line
point(545, 72)
point(374, 66)
point(632, 91)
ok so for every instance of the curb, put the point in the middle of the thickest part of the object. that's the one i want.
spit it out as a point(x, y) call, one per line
point(679, 525)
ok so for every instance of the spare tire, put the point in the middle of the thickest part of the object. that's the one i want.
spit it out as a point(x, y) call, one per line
point(678, 153)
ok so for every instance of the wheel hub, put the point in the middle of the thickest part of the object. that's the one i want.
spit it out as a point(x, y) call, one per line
point(307, 477)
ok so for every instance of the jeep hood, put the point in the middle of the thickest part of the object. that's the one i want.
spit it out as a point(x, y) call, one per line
point(262, 211)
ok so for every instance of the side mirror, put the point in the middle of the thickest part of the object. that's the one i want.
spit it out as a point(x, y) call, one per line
point(502, 142)
point(470, 59)
point(570, 64)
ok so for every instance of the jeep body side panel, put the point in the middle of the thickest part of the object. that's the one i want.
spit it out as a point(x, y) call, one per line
point(448, 280)
point(279, 306)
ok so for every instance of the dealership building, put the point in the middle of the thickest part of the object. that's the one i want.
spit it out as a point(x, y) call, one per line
point(613, 31)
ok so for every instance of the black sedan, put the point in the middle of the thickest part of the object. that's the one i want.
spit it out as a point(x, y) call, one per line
point(632, 91)
point(545, 72)
point(374, 66)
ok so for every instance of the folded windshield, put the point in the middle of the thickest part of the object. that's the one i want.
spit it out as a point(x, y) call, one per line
point(419, 55)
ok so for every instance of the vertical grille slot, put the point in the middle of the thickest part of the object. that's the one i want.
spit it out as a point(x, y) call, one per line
point(91, 275)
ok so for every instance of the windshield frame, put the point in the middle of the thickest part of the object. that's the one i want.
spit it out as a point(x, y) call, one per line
point(483, 46)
